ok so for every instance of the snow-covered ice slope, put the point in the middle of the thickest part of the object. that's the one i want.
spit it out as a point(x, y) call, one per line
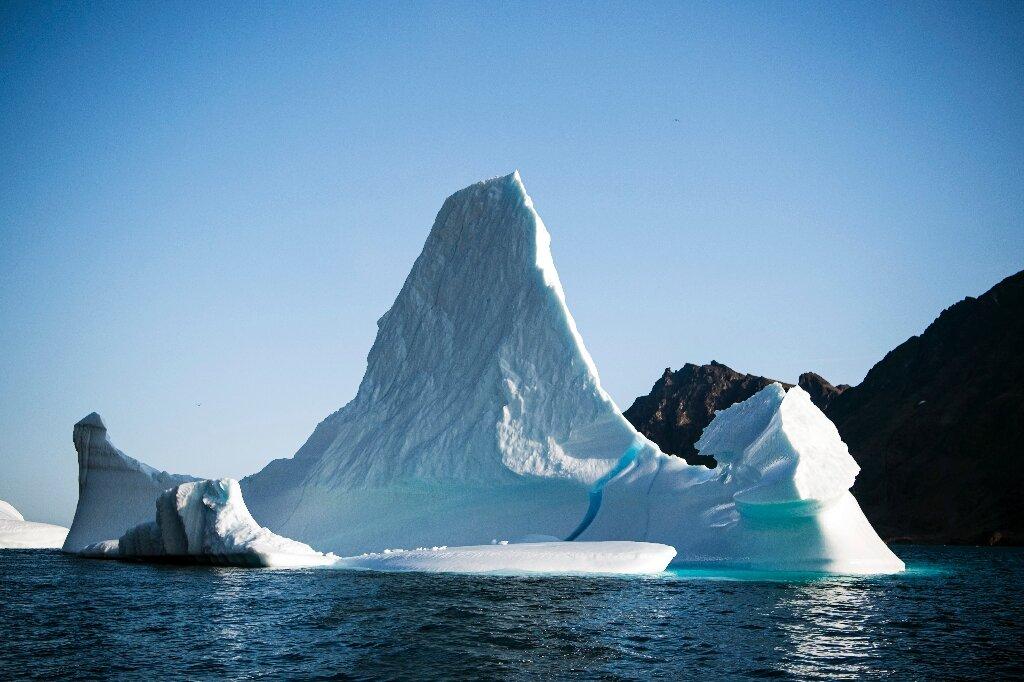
point(115, 492)
point(630, 558)
point(206, 522)
point(17, 533)
point(481, 415)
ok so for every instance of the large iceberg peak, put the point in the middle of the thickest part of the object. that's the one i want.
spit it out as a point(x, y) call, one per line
point(479, 361)
point(478, 380)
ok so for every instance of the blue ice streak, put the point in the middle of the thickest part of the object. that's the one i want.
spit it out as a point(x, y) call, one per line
point(597, 491)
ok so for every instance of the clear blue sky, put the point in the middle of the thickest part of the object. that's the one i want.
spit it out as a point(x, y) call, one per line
point(214, 204)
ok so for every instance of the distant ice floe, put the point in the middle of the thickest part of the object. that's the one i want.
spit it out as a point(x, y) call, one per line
point(17, 533)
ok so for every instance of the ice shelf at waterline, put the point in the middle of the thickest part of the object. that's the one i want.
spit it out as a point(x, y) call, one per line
point(481, 415)
point(606, 558)
point(207, 522)
point(17, 533)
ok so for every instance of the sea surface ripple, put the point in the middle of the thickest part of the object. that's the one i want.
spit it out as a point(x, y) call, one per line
point(957, 613)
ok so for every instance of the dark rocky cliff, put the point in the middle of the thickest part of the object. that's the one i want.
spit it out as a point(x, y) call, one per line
point(937, 426)
point(821, 391)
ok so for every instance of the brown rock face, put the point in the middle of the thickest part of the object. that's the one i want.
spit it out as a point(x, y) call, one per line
point(937, 426)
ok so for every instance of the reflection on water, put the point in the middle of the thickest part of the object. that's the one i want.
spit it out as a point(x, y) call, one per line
point(955, 614)
point(225, 587)
point(829, 631)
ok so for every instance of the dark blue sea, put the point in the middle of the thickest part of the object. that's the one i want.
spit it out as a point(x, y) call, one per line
point(957, 613)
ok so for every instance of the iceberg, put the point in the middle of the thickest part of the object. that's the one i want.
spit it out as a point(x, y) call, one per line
point(481, 415)
point(17, 533)
point(207, 522)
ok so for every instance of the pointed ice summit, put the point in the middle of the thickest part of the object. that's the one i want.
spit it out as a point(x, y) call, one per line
point(481, 415)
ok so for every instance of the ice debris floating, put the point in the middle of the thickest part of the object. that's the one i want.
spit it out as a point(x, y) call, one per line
point(481, 415)
point(207, 522)
point(17, 533)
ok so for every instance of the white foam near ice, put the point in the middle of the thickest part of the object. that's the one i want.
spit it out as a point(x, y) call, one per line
point(481, 415)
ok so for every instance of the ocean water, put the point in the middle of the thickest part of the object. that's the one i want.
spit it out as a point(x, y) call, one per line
point(957, 613)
